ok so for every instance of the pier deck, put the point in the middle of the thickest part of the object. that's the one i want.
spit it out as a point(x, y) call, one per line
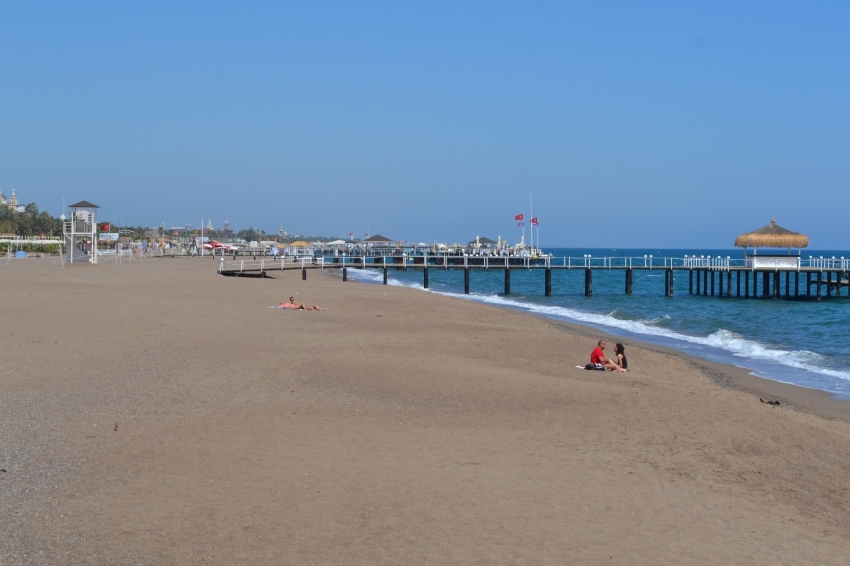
point(722, 277)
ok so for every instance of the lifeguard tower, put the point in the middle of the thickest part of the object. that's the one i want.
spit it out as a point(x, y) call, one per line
point(81, 232)
point(772, 236)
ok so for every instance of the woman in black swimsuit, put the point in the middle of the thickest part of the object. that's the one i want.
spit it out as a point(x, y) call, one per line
point(620, 352)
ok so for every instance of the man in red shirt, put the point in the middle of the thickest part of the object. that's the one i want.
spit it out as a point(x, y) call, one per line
point(598, 359)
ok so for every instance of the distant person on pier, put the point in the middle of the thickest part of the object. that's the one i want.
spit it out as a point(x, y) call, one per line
point(599, 361)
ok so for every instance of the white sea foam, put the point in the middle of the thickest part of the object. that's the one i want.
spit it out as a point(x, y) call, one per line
point(724, 340)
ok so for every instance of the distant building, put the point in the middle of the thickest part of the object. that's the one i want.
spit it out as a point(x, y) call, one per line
point(210, 226)
point(12, 202)
point(227, 229)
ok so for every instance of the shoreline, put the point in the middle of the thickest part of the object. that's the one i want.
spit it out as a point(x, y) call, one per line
point(797, 397)
point(727, 376)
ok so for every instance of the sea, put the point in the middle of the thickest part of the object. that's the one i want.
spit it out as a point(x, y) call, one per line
point(801, 342)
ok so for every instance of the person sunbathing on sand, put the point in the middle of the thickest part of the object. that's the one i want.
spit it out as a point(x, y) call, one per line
point(597, 357)
point(292, 305)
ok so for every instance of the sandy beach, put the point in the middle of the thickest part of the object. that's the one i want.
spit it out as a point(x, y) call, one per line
point(155, 412)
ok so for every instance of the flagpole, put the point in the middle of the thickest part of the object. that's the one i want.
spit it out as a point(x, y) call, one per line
point(531, 219)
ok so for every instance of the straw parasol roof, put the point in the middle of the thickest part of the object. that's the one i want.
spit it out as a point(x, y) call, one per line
point(300, 244)
point(772, 236)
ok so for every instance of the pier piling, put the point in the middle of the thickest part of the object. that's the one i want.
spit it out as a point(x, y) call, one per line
point(705, 282)
point(796, 284)
point(465, 280)
point(828, 284)
point(690, 282)
point(666, 283)
point(776, 284)
point(385, 275)
point(303, 274)
point(720, 283)
point(698, 280)
point(712, 283)
point(344, 274)
point(746, 284)
point(547, 282)
point(808, 284)
point(787, 284)
point(588, 283)
point(425, 277)
point(507, 281)
point(728, 283)
point(630, 281)
point(738, 294)
point(820, 282)
point(669, 283)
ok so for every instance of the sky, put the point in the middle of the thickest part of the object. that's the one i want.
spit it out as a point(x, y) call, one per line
point(631, 124)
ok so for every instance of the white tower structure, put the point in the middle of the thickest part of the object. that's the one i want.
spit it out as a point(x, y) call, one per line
point(81, 233)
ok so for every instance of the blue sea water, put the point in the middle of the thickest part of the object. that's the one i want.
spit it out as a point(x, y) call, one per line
point(804, 343)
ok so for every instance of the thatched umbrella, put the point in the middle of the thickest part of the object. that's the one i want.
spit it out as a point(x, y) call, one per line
point(772, 236)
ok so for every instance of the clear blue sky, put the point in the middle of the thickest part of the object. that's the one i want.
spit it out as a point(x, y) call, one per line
point(669, 124)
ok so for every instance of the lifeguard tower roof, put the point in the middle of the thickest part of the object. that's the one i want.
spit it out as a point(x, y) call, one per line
point(83, 204)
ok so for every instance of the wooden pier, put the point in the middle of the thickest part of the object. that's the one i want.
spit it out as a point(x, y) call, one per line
point(813, 278)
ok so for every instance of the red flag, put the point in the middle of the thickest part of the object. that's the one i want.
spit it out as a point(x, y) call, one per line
point(534, 222)
point(366, 234)
point(519, 217)
point(104, 226)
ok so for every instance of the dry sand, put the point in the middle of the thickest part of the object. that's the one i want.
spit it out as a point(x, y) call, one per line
point(399, 427)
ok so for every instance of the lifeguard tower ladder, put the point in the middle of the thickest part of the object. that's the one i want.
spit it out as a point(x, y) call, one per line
point(81, 232)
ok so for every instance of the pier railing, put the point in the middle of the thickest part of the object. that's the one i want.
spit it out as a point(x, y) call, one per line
point(711, 263)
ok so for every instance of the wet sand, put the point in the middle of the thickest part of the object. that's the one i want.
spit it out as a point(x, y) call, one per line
point(157, 413)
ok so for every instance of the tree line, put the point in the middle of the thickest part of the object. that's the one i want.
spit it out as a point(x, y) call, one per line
point(30, 222)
